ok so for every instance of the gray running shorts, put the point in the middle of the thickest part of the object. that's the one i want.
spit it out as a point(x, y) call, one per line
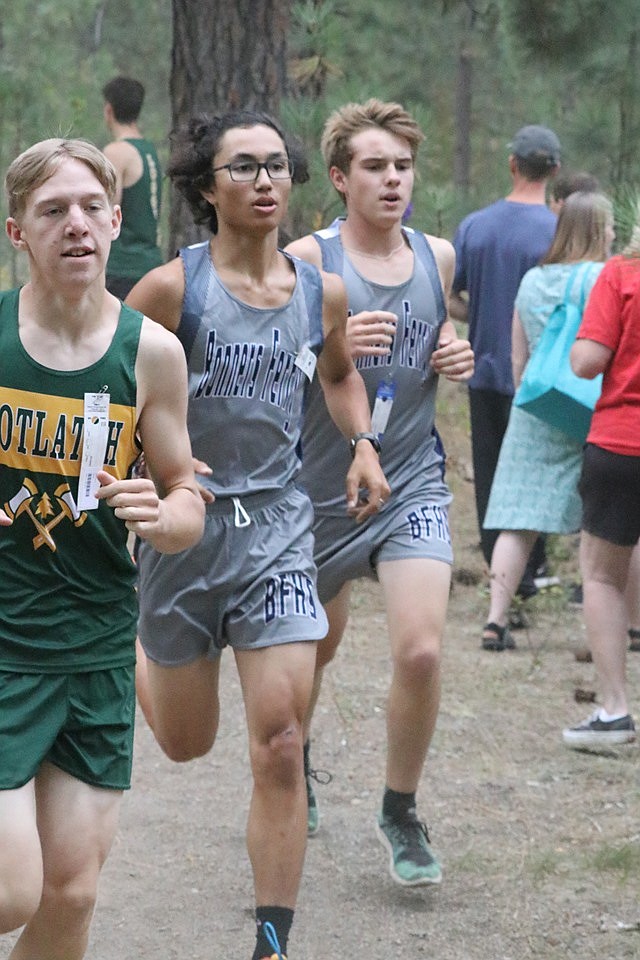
point(248, 586)
point(414, 523)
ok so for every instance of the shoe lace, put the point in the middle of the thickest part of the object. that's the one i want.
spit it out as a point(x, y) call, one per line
point(410, 830)
point(272, 939)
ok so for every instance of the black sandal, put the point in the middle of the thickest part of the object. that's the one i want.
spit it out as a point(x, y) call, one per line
point(497, 638)
point(634, 636)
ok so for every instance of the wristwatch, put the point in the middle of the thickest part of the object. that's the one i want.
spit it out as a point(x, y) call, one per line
point(371, 437)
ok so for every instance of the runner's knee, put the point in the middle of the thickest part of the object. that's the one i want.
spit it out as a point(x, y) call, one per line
point(278, 760)
point(20, 879)
point(70, 903)
point(327, 649)
point(418, 662)
point(182, 746)
point(19, 899)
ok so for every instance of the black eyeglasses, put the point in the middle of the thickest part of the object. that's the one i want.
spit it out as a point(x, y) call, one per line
point(248, 171)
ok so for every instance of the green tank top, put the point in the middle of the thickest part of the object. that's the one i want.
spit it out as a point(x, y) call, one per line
point(67, 582)
point(136, 250)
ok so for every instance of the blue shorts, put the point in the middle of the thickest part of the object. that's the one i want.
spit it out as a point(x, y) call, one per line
point(414, 523)
point(245, 586)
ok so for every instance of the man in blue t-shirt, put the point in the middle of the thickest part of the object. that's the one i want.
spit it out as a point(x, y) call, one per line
point(494, 248)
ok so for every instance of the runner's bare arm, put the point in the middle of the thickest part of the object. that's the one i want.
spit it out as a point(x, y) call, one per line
point(459, 307)
point(166, 508)
point(457, 304)
point(127, 163)
point(159, 294)
point(445, 257)
point(454, 357)
point(347, 402)
point(307, 248)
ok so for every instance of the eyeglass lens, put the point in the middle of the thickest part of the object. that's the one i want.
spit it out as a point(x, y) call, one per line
point(278, 169)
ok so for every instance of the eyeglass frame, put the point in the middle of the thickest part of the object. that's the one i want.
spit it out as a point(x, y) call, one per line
point(261, 165)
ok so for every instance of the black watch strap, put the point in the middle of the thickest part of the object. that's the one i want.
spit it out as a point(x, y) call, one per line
point(371, 437)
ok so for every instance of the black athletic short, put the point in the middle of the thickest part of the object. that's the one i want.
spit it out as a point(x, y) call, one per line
point(610, 490)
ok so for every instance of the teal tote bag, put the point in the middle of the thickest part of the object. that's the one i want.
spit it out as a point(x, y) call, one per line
point(549, 389)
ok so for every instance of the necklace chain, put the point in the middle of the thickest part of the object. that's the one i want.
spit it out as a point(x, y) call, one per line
point(376, 256)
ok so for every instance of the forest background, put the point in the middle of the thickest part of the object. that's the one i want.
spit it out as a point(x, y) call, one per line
point(472, 71)
point(540, 844)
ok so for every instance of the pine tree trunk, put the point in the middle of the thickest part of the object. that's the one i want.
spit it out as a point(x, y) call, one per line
point(462, 153)
point(627, 161)
point(225, 55)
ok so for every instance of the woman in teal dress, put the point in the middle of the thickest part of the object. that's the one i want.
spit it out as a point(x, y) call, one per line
point(535, 487)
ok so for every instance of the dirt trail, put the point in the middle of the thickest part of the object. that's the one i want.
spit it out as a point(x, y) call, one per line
point(540, 845)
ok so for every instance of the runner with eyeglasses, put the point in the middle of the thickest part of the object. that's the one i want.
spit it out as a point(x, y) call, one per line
point(257, 325)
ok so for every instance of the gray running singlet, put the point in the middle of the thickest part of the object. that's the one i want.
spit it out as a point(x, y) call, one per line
point(246, 382)
point(410, 444)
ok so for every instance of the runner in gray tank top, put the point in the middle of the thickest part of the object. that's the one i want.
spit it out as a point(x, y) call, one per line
point(398, 283)
point(254, 323)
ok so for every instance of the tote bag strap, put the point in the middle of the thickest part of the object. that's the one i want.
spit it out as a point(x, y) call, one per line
point(583, 269)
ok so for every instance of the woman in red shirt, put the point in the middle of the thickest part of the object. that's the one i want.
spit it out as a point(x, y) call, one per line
point(608, 342)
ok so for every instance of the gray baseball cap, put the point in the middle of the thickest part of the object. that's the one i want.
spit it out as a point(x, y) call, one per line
point(536, 143)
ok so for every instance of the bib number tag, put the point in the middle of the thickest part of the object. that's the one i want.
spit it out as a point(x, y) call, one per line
point(382, 407)
point(306, 361)
point(94, 447)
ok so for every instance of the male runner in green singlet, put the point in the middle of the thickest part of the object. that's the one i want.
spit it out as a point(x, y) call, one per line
point(138, 189)
point(84, 381)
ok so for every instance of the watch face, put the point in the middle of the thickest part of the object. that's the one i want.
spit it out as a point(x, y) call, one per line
point(369, 437)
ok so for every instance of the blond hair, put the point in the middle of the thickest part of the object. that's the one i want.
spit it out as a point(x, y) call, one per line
point(34, 166)
point(581, 229)
point(343, 124)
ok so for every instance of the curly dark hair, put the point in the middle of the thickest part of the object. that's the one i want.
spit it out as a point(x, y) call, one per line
point(195, 145)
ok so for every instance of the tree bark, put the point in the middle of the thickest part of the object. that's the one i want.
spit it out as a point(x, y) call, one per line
point(626, 166)
point(225, 55)
point(463, 100)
